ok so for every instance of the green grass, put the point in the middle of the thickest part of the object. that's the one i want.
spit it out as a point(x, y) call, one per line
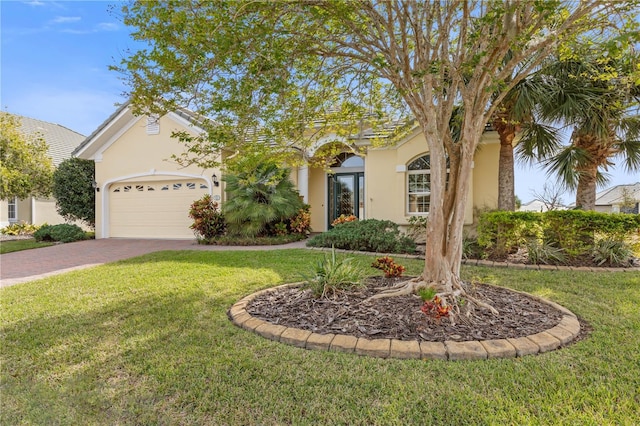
point(18, 245)
point(147, 341)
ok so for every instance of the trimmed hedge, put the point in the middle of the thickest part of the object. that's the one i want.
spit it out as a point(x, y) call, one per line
point(381, 236)
point(573, 231)
point(64, 233)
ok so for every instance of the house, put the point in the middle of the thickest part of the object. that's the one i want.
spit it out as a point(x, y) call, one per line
point(142, 193)
point(619, 199)
point(36, 210)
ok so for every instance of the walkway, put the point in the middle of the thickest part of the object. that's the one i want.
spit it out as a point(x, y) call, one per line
point(28, 265)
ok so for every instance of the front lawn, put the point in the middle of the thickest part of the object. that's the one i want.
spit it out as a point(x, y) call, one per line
point(147, 341)
point(17, 245)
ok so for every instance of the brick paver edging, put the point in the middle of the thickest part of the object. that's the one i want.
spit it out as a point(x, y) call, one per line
point(563, 333)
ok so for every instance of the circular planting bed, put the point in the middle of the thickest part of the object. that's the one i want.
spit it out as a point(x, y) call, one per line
point(397, 328)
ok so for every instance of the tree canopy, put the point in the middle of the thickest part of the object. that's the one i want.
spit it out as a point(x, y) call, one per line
point(274, 70)
point(25, 166)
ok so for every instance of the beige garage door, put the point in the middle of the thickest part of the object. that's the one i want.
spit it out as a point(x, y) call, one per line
point(157, 209)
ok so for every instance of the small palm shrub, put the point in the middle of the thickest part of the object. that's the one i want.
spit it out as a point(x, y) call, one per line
point(381, 236)
point(332, 274)
point(64, 233)
point(544, 252)
point(208, 221)
point(260, 194)
point(611, 252)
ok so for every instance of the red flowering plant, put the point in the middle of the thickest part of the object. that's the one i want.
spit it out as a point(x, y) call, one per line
point(343, 218)
point(388, 266)
point(433, 305)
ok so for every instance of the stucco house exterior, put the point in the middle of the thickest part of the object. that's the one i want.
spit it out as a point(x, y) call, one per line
point(36, 210)
point(142, 193)
point(619, 199)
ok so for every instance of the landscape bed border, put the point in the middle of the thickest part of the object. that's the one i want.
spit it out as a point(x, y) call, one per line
point(558, 336)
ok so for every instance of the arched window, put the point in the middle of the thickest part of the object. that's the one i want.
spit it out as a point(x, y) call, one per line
point(419, 185)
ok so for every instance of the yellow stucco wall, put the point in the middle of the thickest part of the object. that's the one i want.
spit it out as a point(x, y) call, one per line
point(137, 156)
point(318, 199)
point(386, 181)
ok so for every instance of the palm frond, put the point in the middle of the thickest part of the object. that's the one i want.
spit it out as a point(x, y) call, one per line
point(566, 165)
point(538, 142)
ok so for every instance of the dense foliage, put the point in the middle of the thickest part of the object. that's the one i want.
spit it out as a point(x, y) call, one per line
point(208, 221)
point(74, 192)
point(25, 167)
point(19, 229)
point(261, 197)
point(64, 233)
point(379, 236)
point(558, 236)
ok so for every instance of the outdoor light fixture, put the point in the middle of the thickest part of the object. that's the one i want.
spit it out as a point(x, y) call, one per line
point(94, 184)
point(216, 182)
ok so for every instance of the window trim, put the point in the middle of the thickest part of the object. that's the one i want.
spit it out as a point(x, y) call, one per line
point(13, 202)
point(408, 194)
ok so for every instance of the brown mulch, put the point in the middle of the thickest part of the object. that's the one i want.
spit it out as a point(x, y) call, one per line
point(400, 317)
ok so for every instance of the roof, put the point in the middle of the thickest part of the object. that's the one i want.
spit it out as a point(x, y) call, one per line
point(61, 141)
point(617, 194)
point(116, 121)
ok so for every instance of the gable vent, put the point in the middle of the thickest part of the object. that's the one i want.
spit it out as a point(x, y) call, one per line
point(153, 125)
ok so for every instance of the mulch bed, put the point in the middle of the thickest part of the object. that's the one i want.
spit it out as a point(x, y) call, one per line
point(400, 317)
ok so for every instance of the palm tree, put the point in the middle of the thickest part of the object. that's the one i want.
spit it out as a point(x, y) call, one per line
point(598, 99)
point(259, 194)
point(516, 114)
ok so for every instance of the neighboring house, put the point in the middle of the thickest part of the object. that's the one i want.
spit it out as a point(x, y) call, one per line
point(61, 142)
point(143, 194)
point(538, 206)
point(533, 206)
point(619, 199)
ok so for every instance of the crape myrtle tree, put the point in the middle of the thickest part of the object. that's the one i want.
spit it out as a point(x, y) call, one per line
point(288, 67)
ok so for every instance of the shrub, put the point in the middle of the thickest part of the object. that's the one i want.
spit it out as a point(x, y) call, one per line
point(611, 252)
point(417, 228)
point(208, 221)
point(301, 222)
point(576, 230)
point(501, 232)
point(19, 229)
point(547, 253)
point(330, 275)
point(388, 266)
point(73, 190)
point(381, 236)
point(343, 218)
point(260, 194)
point(64, 233)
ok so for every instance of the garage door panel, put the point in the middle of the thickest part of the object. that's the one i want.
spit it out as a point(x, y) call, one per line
point(153, 209)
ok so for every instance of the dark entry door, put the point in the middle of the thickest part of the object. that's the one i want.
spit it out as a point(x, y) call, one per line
point(346, 195)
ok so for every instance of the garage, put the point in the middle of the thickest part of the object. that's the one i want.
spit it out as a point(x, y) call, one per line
point(153, 209)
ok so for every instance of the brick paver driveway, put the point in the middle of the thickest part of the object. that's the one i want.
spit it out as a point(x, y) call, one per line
point(27, 265)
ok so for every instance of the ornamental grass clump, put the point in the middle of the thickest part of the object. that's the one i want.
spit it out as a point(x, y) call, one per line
point(332, 274)
point(611, 252)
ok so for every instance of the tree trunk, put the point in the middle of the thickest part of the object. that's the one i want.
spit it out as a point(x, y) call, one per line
point(506, 174)
point(586, 191)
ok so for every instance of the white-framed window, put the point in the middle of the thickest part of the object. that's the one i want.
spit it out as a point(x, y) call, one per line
point(12, 210)
point(419, 185)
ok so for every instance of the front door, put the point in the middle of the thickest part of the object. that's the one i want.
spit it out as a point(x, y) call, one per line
point(346, 195)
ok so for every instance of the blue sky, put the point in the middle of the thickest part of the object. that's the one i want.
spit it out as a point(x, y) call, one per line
point(54, 67)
